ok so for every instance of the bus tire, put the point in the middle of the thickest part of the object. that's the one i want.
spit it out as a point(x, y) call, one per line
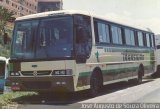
point(96, 83)
point(140, 74)
point(157, 73)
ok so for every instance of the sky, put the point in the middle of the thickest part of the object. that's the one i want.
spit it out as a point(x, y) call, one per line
point(143, 13)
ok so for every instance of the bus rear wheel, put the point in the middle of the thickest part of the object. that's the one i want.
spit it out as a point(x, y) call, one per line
point(96, 83)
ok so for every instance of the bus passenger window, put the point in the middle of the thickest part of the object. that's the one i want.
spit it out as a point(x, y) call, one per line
point(152, 41)
point(140, 39)
point(148, 40)
point(129, 37)
point(116, 35)
point(103, 33)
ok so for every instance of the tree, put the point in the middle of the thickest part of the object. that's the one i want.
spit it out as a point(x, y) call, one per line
point(5, 16)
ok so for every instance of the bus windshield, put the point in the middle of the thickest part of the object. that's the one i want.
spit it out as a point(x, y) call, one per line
point(44, 38)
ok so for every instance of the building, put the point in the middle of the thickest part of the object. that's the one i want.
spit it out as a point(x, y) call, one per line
point(49, 5)
point(25, 7)
point(20, 7)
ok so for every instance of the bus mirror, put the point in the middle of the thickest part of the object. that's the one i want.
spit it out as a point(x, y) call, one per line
point(80, 35)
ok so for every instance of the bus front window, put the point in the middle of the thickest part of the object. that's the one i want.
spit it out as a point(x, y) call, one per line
point(45, 38)
point(55, 38)
point(24, 39)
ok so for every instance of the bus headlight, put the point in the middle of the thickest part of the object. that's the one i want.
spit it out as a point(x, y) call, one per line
point(62, 72)
point(15, 83)
point(14, 74)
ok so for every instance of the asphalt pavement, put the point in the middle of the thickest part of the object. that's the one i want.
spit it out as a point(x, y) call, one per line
point(122, 92)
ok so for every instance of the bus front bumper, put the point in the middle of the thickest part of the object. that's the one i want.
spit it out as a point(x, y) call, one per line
point(56, 83)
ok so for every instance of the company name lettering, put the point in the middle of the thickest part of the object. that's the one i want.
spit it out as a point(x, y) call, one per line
point(132, 57)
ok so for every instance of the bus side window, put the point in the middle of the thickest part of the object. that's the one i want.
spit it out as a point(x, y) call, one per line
point(148, 40)
point(102, 32)
point(152, 40)
point(116, 34)
point(140, 39)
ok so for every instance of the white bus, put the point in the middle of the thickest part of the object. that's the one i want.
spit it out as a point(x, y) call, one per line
point(3, 73)
point(73, 51)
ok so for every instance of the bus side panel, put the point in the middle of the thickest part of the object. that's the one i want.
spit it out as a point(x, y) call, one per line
point(115, 65)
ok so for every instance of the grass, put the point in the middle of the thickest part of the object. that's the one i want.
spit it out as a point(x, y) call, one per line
point(8, 98)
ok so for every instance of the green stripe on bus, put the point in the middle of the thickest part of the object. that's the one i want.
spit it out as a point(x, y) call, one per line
point(120, 70)
point(113, 49)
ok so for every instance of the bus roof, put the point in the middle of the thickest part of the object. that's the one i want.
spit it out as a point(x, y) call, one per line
point(51, 13)
point(70, 12)
point(3, 58)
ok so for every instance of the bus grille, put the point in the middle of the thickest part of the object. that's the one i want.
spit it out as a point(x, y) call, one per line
point(43, 73)
point(27, 73)
point(38, 73)
point(37, 85)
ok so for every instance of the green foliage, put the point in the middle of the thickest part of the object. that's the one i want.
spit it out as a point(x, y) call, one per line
point(8, 98)
point(5, 49)
point(5, 16)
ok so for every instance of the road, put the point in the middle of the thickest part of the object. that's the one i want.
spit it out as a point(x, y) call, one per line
point(122, 92)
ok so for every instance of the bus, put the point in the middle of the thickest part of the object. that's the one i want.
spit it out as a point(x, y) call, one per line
point(157, 55)
point(73, 51)
point(3, 73)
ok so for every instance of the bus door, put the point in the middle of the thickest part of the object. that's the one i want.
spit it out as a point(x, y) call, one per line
point(83, 37)
point(2, 75)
